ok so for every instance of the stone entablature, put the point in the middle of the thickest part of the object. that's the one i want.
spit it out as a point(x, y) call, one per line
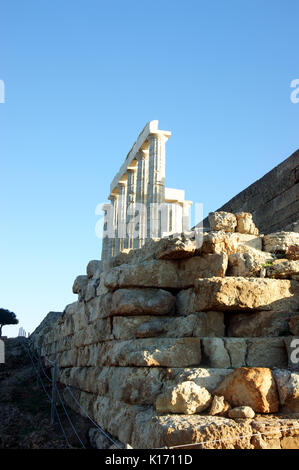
point(141, 207)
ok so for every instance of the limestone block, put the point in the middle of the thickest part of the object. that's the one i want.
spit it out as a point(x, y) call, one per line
point(186, 397)
point(215, 352)
point(268, 323)
point(154, 273)
point(126, 327)
point(88, 355)
point(102, 289)
point(230, 243)
point(185, 302)
point(166, 352)
point(225, 352)
point(175, 248)
point(209, 432)
point(100, 330)
point(94, 269)
point(222, 221)
point(254, 387)
point(266, 352)
point(248, 264)
point(244, 412)
point(219, 406)
point(79, 286)
point(80, 317)
point(283, 270)
point(99, 307)
point(237, 350)
point(167, 274)
point(201, 266)
point(133, 385)
point(288, 389)
point(67, 327)
point(155, 327)
point(279, 242)
point(199, 324)
point(209, 324)
point(116, 417)
point(91, 288)
point(245, 223)
point(67, 358)
point(237, 293)
point(142, 301)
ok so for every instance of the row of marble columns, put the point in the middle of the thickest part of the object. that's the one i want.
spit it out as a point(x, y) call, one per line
point(134, 215)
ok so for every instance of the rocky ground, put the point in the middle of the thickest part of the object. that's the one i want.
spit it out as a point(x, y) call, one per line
point(25, 409)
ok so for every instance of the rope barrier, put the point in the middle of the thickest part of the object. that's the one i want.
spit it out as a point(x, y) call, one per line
point(80, 406)
point(48, 396)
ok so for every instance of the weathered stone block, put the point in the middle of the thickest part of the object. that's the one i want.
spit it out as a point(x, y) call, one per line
point(266, 352)
point(222, 221)
point(236, 293)
point(257, 324)
point(199, 324)
point(166, 352)
point(279, 242)
point(248, 264)
point(224, 242)
point(142, 301)
point(167, 274)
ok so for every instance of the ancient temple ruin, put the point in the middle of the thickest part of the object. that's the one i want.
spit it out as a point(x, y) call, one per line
point(141, 207)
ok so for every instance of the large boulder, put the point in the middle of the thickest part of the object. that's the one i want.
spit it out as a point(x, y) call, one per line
point(254, 387)
point(186, 397)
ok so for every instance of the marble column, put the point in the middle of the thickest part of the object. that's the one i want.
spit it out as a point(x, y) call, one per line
point(113, 234)
point(105, 240)
point(156, 183)
point(130, 203)
point(141, 195)
point(121, 216)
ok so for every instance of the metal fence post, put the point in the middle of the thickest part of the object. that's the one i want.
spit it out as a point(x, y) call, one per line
point(53, 393)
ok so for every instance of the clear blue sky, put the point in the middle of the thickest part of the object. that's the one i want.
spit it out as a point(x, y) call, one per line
point(83, 77)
